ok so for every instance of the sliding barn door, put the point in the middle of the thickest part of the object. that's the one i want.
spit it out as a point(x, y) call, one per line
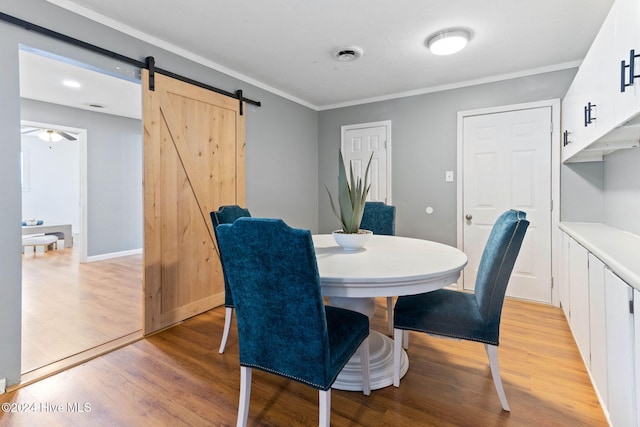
point(193, 163)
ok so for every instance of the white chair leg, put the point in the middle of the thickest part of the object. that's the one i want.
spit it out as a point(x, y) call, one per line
point(228, 315)
point(325, 408)
point(405, 339)
point(245, 396)
point(390, 314)
point(397, 355)
point(492, 353)
point(364, 362)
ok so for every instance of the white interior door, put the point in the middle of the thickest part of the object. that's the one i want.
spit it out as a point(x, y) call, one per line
point(507, 165)
point(358, 142)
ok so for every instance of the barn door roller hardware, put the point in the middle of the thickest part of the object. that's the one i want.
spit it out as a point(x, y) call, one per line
point(150, 65)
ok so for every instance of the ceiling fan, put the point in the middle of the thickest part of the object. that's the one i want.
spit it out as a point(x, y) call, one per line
point(49, 135)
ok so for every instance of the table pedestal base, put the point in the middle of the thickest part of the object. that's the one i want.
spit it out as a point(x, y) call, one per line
point(380, 365)
point(380, 352)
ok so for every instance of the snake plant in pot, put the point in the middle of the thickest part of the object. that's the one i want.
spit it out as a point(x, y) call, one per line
point(352, 195)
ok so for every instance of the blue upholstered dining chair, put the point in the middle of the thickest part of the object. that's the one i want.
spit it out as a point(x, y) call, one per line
point(284, 327)
point(226, 215)
point(468, 316)
point(381, 219)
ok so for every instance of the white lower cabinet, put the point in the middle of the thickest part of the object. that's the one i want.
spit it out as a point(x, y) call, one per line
point(621, 401)
point(563, 292)
point(579, 297)
point(607, 333)
point(636, 340)
point(597, 322)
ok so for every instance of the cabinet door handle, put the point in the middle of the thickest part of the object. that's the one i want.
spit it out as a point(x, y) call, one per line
point(587, 114)
point(631, 67)
point(565, 138)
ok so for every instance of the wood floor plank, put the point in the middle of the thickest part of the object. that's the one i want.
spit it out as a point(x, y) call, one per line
point(176, 377)
point(68, 307)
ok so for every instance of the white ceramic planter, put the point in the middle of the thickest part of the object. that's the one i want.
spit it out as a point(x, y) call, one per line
point(352, 241)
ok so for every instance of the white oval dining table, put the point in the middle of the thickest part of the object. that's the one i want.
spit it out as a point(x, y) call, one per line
point(387, 266)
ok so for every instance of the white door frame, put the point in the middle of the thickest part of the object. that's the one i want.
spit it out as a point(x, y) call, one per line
point(387, 124)
point(82, 146)
point(554, 104)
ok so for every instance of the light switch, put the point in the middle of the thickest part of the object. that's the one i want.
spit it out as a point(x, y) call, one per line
point(448, 176)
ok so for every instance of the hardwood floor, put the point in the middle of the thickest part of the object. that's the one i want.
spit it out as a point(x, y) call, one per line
point(69, 308)
point(177, 377)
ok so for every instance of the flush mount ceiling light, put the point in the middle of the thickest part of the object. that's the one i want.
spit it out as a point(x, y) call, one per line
point(50, 136)
point(449, 41)
point(346, 54)
point(71, 83)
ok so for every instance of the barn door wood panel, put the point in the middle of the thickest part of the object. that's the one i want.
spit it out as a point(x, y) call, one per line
point(193, 163)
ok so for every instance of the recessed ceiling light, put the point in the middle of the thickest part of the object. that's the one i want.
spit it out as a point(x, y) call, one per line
point(449, 41)
point(346, 54)
point(71, 83)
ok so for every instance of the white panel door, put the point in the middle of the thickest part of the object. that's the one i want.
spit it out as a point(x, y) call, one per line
point(358, 142)
point(507, 165)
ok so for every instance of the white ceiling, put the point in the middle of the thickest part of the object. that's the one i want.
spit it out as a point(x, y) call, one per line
point(284, 45)
point(114, 95)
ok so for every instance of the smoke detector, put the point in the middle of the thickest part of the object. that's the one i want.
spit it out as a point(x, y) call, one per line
point(346, 54)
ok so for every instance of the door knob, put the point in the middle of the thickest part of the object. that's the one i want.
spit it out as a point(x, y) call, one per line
point(469, 217)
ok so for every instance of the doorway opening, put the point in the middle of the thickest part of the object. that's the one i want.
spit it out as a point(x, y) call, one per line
point(81, 297)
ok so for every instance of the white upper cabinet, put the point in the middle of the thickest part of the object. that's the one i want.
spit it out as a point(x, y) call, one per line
point(597, 116)
point(588, 107)
point(572, 119)
point(627, 38)
point(598, 79)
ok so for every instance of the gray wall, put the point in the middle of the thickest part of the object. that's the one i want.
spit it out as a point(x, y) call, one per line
point(607, 191)
point(281, 144)
point(622, 190)
point(581, 187)
point(282, 162)
point(114, 173)
point(10, 212)
point(51, 183)
point(424, 141)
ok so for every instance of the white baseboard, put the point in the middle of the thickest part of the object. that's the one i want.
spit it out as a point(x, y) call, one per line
point(3, 386)
point(114, 255)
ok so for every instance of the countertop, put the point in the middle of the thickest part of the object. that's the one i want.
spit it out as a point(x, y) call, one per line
point(618, 249)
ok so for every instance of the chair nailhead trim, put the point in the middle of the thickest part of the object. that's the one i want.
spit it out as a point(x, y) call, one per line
point(309, 383)
point(460, 337)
